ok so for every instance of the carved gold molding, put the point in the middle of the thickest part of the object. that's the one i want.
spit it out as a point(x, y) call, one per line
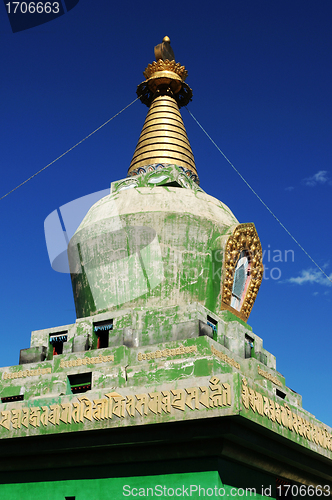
point(244, 238)
point(161, 66)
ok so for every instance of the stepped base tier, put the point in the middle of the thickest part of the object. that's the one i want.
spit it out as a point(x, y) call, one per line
point(177, 391)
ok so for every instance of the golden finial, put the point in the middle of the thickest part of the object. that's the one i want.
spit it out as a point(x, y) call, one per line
point(164, 50)
point(164, 140)
point(165, 73)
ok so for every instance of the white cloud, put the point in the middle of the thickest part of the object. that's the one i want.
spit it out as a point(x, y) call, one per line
point(289, 188)
point(320, 177)
point(311, 276)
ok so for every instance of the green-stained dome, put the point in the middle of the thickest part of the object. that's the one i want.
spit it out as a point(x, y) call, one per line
point(150, 242)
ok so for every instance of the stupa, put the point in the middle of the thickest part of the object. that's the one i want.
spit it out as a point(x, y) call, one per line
point(160, 387)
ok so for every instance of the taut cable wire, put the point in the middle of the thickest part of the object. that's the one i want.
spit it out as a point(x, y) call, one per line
point(68, 150)
point(260, 199)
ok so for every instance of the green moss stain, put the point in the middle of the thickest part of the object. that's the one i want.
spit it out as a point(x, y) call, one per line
point(228, 316)
point(188, 268)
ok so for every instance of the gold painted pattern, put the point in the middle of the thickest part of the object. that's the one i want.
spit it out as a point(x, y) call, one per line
point(26, 373)
point(268, 376)
point(225, 358)
point(165, 353)
point(215, 395)
point(283, 416)
point(86, 361)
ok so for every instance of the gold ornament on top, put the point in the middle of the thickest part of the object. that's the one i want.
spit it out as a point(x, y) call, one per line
point(179, 71)
point(164, 50)
point(166, 76)
point(163, 139)
point(244, 238)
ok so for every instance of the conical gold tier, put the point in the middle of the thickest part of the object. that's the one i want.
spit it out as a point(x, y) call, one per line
point(163, 138)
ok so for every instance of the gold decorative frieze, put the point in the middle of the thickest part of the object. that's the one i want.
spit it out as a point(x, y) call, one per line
point(268, 376)
point(162, 66)
point(224, 357)
point(243, 245)
point(86, 361)
point(26, 373)
point(165, 353)
point(213, 396)
point(283, 416)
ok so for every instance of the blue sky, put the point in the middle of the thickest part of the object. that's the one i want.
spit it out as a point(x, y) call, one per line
point(261, 78)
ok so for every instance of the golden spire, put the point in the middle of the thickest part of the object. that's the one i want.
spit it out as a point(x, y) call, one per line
point(163, 140)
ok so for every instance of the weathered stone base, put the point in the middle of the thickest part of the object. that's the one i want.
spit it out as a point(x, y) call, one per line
point(180, 395)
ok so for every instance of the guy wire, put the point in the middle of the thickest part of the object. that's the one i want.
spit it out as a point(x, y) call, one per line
point(260, 199)
point(68, 150)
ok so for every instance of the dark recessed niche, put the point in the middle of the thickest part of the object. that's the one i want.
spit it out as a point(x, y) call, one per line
point(213, 323)
point(248, 346)
point(80, 382)
point(172, 184)
point(9, 399)
point(280, 394)
point(57, 340)
point(101, 330)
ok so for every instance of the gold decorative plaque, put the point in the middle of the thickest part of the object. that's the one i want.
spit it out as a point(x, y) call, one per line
point(243, 243)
